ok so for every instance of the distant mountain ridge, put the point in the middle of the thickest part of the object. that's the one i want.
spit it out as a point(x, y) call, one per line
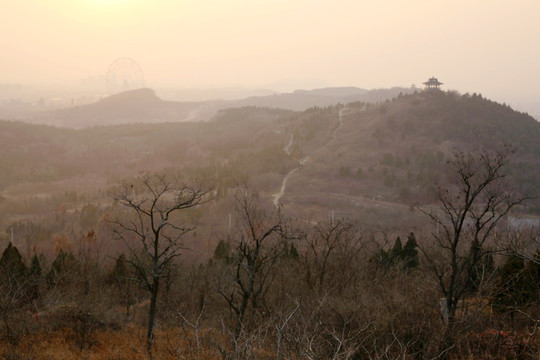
point(301, 100)
point(133, 106)
point(334, 91)
point(144, 106)
point(140, 97)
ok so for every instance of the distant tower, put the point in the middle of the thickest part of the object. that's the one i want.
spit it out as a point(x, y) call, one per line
point(432, 83)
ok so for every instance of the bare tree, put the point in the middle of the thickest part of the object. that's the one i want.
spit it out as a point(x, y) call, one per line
point(523, 242)
point(280, 326)
point(13, 295)
point(331, 246)
point(150, 233)
point(469, 208)
point(258, 244)
point(195, 325)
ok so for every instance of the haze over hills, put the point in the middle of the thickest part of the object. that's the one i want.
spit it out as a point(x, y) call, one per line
point(376, 159)
point(244, 180)
point(134, 106)
point(300, 100)
point(143, 106)
point(347, 180)
point(333, 91)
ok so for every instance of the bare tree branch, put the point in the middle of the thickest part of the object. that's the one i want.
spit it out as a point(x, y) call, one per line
point(151, 202)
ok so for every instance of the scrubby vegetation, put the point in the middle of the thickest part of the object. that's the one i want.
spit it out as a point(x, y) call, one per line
point(332, 291)
point(276, 289)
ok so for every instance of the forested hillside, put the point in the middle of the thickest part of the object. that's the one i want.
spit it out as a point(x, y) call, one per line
point(268, 233)
point(380, 157)
point(391, 154)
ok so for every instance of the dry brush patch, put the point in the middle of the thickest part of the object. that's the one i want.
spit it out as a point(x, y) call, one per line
point(128, 343)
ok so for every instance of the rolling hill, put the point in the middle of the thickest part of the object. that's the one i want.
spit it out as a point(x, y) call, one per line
point(367, 162)
point(129, 107)
point(143, 106)
point(387, 156)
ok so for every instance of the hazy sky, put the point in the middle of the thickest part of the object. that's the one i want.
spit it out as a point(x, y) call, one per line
point(486, 46)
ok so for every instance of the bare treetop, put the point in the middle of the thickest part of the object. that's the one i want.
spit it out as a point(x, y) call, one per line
point(153, 199)
point(469, 207)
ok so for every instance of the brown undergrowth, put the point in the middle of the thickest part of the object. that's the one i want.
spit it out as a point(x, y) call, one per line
point(121, 344)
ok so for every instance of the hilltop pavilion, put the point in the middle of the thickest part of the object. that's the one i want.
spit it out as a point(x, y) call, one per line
point(432, 83)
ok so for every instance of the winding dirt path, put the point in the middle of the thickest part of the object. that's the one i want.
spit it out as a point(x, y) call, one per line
point(305, 160)
point(287, 148)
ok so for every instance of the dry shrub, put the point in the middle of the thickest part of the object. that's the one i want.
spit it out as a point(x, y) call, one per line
point(78, 324)
point(493, 344)
point(181, 343)
point(14, 326)
point(123, 344)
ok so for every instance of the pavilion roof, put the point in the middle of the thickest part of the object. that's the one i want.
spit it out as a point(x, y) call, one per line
point(433, 81)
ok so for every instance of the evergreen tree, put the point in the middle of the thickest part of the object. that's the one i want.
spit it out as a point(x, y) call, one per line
point(122, 276)
point(11, 262)
point(406, 257)
point(34, 278)
point(293, 253)
point(396, 253)
point(410, 253)
point(381, 259)
point(119, 270)
point(61, 268)
point(222, 251)
point(35, 267)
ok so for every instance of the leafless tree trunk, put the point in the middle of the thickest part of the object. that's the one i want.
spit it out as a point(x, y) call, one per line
point(258, 243)
point(331, 246)
point(469, 207)
point(150, 233)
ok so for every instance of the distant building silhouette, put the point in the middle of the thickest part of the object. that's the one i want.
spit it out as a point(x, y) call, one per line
point(432, 83)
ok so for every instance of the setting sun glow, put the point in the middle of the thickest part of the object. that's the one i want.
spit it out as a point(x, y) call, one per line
point(108, 2)
point(256, 43)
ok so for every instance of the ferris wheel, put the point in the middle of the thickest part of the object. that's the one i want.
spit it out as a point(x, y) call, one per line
point(124, 74)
